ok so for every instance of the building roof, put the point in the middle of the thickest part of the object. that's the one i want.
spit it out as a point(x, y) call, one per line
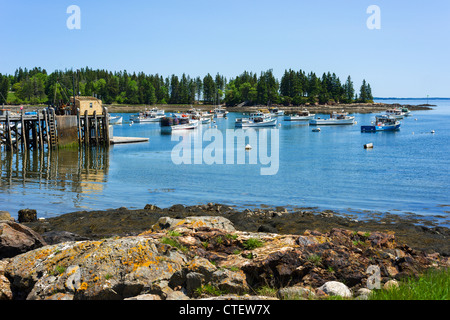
point(85, 98)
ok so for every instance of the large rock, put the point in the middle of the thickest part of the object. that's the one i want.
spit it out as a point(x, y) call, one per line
point(5, 215)
point(16, 238)
point(27, 215)
point(230, 281)
point(335, 288)
point(109, 269)
point(195, 223)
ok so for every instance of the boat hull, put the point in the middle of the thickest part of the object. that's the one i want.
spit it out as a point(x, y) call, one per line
point(147, 120)
point(349, 121)
point(185, 126)
point(298, 118)
point(251, 124)
point(115, 120)
point(380, 128)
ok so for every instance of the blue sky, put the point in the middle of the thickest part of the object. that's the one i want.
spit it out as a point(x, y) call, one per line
point(408, 57)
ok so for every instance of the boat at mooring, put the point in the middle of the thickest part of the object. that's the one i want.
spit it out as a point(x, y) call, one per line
point(336, 118)
point(257, 119)
point(304, 115)
point(383, 123)
point(152, 115)
point(177, 122)
point(396, 113)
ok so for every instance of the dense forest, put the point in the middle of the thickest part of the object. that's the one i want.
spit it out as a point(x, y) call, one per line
point(36, 86)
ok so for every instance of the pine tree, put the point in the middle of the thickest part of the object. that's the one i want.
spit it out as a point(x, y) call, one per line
point(349, 91)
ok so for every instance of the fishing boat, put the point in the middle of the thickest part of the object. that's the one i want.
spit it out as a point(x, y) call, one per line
point(257, 119)
point(276, 112)
point(301, 116)
point(336, 118)
point(115, 119)
point(220, 112)
point(406, 111)
point(203, 117)
point(176, 122)
point(396, 113)
point(152, 115)
point(383, 123)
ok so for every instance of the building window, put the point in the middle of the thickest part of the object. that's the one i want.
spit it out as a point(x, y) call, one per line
point(90, 105)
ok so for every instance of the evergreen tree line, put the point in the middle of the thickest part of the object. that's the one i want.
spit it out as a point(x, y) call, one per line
point(36, 86)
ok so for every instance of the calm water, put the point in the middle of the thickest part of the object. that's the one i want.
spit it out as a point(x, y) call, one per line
point(407, 171)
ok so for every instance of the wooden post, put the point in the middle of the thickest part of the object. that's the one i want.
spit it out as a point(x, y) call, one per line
point(86, 128)
point(8, 133)
point(34, 133)
point(24, 133)
point(106, 122)
point(96, 128)
point(16, 133)
point(47, 131)
point(41, 143)
point(79, 126)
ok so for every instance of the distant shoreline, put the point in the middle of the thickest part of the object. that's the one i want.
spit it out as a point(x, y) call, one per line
point(350, 108)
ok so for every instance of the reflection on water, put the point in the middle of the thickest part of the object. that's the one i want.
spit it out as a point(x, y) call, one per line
point(83, 170)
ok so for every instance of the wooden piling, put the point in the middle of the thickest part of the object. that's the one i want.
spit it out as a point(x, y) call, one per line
point(79, 127)
point(47, 136)
point(96, 128)
point(41, 143)
point(8, 133)
point(86, 129)
point(106, 121)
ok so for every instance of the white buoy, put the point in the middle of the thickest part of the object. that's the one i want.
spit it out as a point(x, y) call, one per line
point(248, 147)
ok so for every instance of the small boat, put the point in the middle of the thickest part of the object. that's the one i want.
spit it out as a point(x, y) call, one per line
point(152, 115)
point(383, 123)
point(336, 118)
point(397, 113)
point(406, 111)
point(301, 116)
point(203, 117)
point(276, 112)
point(220, 112)
point(115, 119)
point(169, 124)
point(257, 119)
point(316, 130)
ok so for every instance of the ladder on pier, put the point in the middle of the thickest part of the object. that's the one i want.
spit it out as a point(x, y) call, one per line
point(51, 131)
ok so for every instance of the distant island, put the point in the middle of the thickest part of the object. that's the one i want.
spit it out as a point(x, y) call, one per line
point(295, 88)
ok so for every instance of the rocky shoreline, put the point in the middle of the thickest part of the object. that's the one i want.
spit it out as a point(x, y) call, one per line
point(210, 251)
point(350, 108)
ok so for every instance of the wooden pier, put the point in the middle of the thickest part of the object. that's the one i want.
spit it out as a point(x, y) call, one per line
point(35, 130)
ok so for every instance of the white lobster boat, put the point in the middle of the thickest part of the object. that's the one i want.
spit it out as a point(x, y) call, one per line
point(152, 115)
point(336, 118)
point(257, 119)
point(305, 115)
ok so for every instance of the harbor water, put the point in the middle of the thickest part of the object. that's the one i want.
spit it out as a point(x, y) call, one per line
point(407, 171)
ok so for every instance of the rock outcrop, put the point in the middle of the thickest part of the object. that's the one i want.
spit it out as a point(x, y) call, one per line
point(205, 257)
point(16, 238)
